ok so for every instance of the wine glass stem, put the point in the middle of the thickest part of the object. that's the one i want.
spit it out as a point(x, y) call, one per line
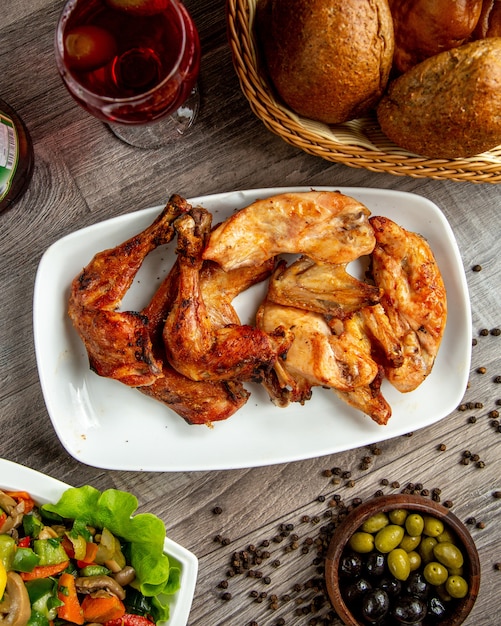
point(161, 132)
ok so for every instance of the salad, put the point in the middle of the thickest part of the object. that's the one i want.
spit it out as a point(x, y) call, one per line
point(84, 560)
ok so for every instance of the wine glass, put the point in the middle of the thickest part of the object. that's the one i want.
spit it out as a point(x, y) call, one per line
point(133, 64)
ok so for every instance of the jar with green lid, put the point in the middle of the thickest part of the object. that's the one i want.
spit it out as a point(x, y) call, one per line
point(16, 156)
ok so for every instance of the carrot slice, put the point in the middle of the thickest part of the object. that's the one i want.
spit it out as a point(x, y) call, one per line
point(71, 610)
point(90, 554)
point(101, 610)
point(44, 571)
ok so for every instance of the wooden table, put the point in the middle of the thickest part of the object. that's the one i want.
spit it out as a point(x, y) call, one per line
point(84, 175)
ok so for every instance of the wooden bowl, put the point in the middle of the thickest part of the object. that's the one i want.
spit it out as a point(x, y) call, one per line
point(417, 504)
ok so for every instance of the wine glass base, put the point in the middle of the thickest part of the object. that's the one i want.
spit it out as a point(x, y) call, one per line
point(164, 131)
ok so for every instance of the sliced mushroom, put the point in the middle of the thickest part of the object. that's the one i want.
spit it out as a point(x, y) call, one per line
point(125, 576)
point(14, 511)
point(91, 584)
point(15, 608)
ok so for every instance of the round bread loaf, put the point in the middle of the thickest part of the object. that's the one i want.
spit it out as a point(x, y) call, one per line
point(329, 60)
point(424, 28)
point(449, 105)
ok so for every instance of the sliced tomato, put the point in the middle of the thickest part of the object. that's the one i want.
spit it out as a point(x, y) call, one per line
point(130, 619)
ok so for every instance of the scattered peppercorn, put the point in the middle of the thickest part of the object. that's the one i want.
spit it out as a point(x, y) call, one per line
point(442, 447)
point(480, 525)
point(496, 494)
point(481, 370)
point(472, 419)
point(497, 379)
point(497, 566)
point(217, 510)
point(477, 268)
point(226, 595)
point(495, 332)
point(484, 332)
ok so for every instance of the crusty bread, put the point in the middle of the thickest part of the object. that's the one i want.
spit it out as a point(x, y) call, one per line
point(424, 28)
point(329, 60)
point(449, 105)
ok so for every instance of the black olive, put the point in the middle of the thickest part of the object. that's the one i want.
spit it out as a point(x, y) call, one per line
point(354, 592)
point(409, 610)
point(375, 605)
point(436, 609)
point(375, 564)
point(416, 585)
point(350, 566)
point(391, 585)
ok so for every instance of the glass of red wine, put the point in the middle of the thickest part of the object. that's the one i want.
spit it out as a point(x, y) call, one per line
point(133, 64)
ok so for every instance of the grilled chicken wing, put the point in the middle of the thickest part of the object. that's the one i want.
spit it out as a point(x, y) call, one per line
point(369, 399)
point(194, 345)
point(118, 342)
point(321, 287)
point(325, 225)
point(414, 299)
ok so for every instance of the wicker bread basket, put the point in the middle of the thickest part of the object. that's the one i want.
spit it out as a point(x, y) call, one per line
point(358, 143)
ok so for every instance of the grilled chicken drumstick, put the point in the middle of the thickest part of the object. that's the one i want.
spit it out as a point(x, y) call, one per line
point(195, 346)
point(118, 342)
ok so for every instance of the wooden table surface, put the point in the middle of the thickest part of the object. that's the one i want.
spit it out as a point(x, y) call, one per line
point(84, 175)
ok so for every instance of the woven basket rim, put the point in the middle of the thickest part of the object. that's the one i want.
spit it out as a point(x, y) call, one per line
point(356, 150)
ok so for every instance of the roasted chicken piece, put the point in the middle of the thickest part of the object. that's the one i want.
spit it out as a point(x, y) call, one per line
point(324, 225)
point(195, 346)
point(118, 342)
point(317, 356)
point(321, 287)
point(369, 399)
point(200, 402)
point(414, 299)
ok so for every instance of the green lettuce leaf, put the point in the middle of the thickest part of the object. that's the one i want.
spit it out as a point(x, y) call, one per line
point(113, 509)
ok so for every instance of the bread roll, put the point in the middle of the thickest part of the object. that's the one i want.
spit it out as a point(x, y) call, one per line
point(424, 28)
point(449, 105)
point(329, 60)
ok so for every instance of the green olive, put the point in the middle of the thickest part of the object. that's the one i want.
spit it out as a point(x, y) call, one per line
point(456, 586)
point(398, 516)
point(456, 571)
point(388, 538)
point(433, 527)
point(448, 554)
point(446, 535)
point(414, 560)
point(361, 542)
point(435, 573)
point(409, 543)
point(414, 524)
point(399, 564)
point(444, 595)
point(426, 548)
point(375, 523)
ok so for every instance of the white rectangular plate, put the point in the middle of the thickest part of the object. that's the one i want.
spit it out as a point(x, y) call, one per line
point(44, 489)
point(106, 424)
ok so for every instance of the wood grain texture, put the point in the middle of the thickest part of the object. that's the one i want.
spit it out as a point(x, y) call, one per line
point(83, 175)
